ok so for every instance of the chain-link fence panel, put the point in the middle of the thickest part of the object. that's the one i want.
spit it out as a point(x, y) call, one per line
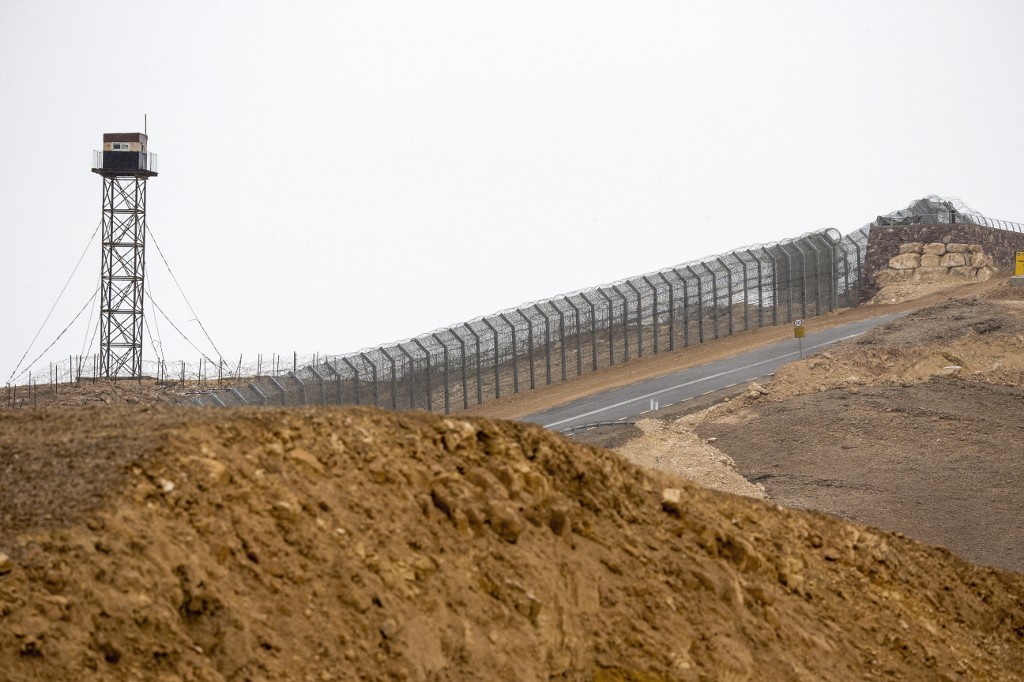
point(558, 339)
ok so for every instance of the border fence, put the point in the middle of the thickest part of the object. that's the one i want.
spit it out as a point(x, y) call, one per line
point(560, 338)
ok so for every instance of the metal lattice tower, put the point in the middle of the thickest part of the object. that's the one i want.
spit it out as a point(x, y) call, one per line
point(125, 165)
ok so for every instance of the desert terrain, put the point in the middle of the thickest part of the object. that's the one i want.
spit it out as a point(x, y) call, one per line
point(151, 541)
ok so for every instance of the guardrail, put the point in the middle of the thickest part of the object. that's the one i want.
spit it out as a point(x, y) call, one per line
point(583, 428)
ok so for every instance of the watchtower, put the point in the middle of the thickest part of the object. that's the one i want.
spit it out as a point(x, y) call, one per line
point(125, 164)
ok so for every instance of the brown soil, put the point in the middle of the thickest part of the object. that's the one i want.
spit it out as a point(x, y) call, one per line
point(328, 543)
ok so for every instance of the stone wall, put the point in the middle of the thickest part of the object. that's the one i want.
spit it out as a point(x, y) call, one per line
point(884, 242)
point(937, 262)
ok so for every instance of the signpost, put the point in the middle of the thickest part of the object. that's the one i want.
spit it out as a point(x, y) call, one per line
point(798, 334)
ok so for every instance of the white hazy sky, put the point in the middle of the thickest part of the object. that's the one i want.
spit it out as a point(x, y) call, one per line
point(335, 175)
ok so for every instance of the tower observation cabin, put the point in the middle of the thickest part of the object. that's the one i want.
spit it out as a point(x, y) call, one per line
point(125, 163)
point(125, 154)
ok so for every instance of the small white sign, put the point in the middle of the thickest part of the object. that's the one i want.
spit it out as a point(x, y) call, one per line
point(798, 323)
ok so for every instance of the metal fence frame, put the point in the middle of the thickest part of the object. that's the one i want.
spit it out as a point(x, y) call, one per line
point(561, 338)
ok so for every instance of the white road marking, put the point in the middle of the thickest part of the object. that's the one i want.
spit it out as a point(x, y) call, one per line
point(697, 381)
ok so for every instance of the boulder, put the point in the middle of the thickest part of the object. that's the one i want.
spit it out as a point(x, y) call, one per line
point(888, 276)
point(964, 272)
point(905, 261)
point(984, 274)
point(980, 260)
point(934, 248)
point(957, 248)
point(930, 260)
point(954, 260)
point(930, 274)
point(975, 248)
point(912, 247)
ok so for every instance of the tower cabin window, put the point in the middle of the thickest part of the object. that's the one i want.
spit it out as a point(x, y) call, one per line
point(121, 146)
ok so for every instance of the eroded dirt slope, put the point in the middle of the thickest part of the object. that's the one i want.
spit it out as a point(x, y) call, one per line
point(163, 543)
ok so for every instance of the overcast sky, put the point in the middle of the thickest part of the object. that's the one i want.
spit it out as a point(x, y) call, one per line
point(338, 175)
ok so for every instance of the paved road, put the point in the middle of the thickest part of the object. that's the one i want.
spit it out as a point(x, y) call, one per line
point(631, 401)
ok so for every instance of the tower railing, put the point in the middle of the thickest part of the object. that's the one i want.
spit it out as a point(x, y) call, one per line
point(147, 161)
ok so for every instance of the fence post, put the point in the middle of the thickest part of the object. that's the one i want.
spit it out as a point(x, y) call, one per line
point(728, 284)
point(479, 369)
point(515, 355)
point(760, 288)
point(746, 303)
point(373, 376)
point(846, 271)
point(577, 331)
point(462, 356)
point(561, 334)
point(833, 285)
point(302, 386)
point(817, 275)
point(654, 311)
point(832, 245)
point(411, 374)
point(593, 329)
point(447, 399)
point(355, 380)
point(803, 276)
point(860, 262)
point(611, 326)
point(320, 381)
point(339, 398)
point(333, 369)
point(625, 322)
point(714, 294)
point(686, 307)
point(529, 344)
point(430, 390)
point(547, 344)
point(281, 389)
point(700, 303)
point(788, 260)
point(671, 311)
point(639, 319)
point(257, 391)
point(394, 378)
point(497, 373)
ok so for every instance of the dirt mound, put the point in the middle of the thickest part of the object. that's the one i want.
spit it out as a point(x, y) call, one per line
point(671, 446)
point(160, 543)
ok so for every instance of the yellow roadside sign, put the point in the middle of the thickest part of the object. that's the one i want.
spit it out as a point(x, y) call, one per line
point(798, 332)
point(1019, 269)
